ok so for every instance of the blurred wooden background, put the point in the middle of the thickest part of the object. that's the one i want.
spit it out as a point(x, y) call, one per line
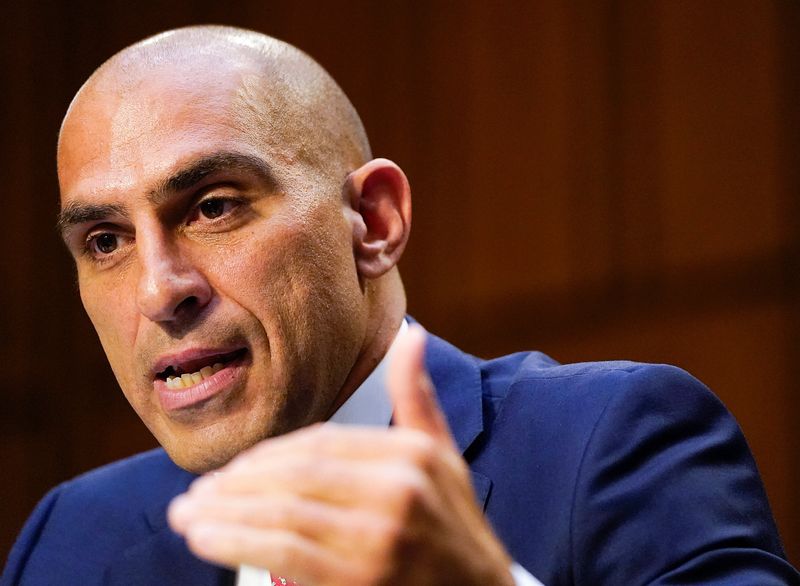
point(595, 179)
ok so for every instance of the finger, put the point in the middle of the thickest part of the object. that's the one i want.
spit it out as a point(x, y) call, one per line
point(283, 552)
point(350, 442)
point(346, 530)
point(411, 389)
point(286, 512)
point(378, 485)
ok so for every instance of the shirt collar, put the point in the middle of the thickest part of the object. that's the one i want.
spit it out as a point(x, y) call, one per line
point(370, 403)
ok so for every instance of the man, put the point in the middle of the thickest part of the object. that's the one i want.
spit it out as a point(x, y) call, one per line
point(236, 248)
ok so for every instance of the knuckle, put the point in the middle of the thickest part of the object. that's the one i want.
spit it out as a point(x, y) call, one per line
point(276, 516)
point(300, 469)
point(389, 535)
point(424, 452)
point(283, 554)
point(371, 573)
point(362, 577)
point(316, 435)
point(412, 492)
point(394, 542)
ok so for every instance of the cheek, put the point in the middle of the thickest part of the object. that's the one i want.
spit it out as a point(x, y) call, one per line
point(286, 261)
point(113, 314)
point(299, 282)
point(275, 277)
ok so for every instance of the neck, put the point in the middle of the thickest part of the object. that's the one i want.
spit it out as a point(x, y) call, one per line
point(387, 308)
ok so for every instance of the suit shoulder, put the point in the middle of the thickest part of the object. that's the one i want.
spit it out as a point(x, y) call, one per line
point(665, 452)
point(116, 491)
point(126, 469)
point(532, 387)
point(111, 501)
point(536, 373)
point(620, 448)
point(118, 481)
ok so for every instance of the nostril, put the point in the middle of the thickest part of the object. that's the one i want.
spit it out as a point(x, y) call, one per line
point(187, 304)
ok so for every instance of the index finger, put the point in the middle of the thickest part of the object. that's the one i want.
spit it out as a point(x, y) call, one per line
point(411, 389)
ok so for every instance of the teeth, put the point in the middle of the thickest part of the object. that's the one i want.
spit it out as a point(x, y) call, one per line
point(187, 380)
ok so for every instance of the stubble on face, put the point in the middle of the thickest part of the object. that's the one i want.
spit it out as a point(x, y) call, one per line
point(284, 285)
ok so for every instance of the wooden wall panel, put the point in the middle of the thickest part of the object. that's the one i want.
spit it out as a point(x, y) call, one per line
point(636, 171)
point(593, 179)
point(720, 134)
point(517, 89)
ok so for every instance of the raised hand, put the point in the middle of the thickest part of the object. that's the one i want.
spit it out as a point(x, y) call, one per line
point(347, 505)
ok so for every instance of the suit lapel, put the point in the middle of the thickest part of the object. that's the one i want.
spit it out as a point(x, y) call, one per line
point(161, 557)
point(457, 378)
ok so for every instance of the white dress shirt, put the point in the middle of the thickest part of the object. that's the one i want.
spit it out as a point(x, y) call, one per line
point(368, 405)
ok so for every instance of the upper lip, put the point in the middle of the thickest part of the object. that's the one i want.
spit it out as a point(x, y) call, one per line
point(189, 360)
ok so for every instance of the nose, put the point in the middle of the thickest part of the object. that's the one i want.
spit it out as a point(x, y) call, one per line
point(170, 286)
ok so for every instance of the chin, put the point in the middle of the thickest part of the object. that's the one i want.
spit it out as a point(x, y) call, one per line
point(200, 456)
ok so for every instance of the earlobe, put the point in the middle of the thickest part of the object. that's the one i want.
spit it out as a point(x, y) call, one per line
point(379, 196)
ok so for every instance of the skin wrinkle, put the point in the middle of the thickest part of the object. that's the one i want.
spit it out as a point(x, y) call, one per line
point(286, 281)
point(198, 171)
point(185, 179)
point(297, 267)
point(316, 136)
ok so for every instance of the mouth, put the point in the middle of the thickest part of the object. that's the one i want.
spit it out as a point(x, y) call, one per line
point(183, 374)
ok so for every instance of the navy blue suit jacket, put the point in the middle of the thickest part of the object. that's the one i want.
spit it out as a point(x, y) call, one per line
point(597, 473)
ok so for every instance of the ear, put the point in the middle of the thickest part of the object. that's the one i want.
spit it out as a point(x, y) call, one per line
point(379, 199)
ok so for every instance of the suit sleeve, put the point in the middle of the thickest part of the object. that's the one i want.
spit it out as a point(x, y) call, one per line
point(668, 492)
point(28, 538)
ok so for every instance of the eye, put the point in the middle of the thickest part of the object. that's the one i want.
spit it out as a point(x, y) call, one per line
point(212, 208)
point(102, 243)
point(217, 212)
point(216, 207)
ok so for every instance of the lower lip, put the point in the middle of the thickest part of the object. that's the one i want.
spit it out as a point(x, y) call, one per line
point(219, 382)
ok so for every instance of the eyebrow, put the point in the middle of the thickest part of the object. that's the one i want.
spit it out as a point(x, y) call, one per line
point(202, 168)
point(77, 213)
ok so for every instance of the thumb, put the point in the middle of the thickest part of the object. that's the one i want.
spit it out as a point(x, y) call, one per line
point(411, 390)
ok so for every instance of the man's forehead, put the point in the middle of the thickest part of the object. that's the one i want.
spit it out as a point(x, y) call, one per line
point(113, 139)
point(113, 201)
point(147, 107)
point(130, 185)
point(140, 96)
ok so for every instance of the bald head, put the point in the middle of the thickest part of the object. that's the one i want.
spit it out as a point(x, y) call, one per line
point(274, 90)
point(217, 197)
